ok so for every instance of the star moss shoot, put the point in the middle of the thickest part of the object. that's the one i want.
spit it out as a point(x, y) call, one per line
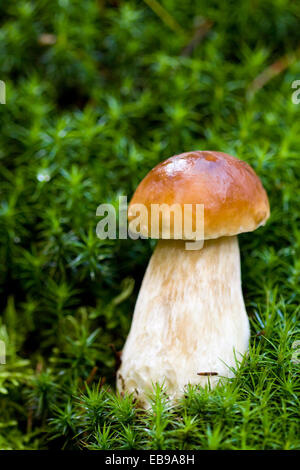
point(96, 95)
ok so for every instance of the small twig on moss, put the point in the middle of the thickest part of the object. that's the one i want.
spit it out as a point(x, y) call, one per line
point(165, 16)
point(261, 333)
point(199, 34)
point(270, 72)
point(207, 374)
point(29, 421)
point(92, 375)
point(117, 355)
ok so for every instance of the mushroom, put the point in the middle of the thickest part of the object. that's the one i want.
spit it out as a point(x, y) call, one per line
point(190, 324)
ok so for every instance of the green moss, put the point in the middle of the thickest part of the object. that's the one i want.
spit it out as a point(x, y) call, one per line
point(90, 109)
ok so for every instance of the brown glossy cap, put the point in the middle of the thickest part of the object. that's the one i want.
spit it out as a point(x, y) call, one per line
point(232, 194)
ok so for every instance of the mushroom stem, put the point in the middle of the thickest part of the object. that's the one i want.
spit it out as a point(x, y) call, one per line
point(190, 323)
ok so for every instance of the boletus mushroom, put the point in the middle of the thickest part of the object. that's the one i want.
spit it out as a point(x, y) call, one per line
point(190, 324)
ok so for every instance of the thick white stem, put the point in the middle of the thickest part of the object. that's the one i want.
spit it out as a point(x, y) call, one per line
point(189, 319)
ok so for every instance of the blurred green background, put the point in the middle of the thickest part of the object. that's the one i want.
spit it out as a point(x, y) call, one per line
point(97, 93)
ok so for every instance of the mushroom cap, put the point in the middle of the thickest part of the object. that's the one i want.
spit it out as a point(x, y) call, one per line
point(232, 194)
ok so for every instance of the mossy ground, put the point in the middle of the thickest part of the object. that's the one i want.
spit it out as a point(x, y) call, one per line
point(97, 94)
